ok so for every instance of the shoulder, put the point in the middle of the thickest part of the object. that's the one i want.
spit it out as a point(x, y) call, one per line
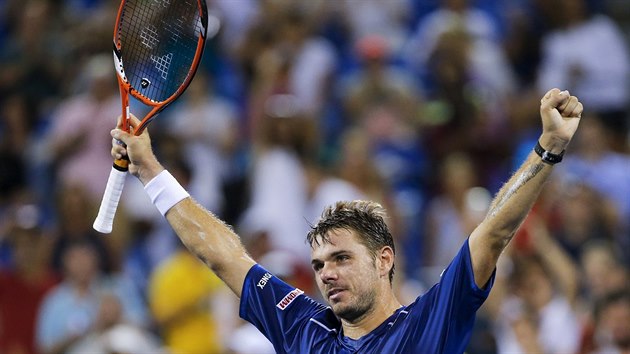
point(325, 320)
point(604, 23)
point(321, 330)
point(59, 297)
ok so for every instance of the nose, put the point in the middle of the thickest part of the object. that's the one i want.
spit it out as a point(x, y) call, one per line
point(328, 273)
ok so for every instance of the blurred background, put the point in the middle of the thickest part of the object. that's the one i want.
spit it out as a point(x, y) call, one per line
point(426, 106)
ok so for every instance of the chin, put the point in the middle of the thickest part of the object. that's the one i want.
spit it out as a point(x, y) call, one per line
point(349, 312)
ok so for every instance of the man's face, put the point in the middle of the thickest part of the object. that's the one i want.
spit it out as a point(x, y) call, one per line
point(80, 264)
point(346, 274)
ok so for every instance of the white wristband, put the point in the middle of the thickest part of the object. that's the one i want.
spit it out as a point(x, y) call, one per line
point(165, 191)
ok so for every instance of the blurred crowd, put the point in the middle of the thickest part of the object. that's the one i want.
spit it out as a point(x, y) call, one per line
point(424, 106)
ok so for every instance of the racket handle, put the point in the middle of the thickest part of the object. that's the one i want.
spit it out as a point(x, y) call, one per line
point(105, 218)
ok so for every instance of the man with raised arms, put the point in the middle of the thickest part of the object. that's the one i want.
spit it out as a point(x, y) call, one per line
point(353, 254)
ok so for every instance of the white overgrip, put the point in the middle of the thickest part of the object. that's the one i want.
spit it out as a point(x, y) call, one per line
point(105, 218)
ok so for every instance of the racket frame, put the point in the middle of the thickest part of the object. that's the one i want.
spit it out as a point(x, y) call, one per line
point(111, 197)
point(126, 88)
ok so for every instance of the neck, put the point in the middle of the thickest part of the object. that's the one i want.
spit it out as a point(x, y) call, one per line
point(372, 319)
point(81, 288)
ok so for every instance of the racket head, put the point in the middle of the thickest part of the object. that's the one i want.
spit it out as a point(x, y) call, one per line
point(158, 45)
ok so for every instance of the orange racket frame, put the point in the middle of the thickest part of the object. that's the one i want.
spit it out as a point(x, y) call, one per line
point(113, 191)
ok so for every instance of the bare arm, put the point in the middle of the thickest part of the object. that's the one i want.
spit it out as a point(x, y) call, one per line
point(212, 241)
point(207, 237)
point(564, 271)
point(560, 115)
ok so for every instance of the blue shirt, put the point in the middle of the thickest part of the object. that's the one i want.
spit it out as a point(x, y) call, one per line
point(440, 321)
point(65, 313)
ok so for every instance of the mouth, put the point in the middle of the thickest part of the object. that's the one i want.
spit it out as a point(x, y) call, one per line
point(334, 294)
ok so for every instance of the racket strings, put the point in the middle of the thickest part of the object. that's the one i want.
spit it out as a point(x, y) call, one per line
point(158, 41)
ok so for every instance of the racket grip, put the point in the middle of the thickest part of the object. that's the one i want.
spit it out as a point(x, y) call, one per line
point(105, 218)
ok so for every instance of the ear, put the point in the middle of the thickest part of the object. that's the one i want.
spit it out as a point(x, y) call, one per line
point(385, 262)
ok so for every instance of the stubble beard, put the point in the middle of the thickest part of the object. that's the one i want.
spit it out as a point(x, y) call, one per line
point(358, 309)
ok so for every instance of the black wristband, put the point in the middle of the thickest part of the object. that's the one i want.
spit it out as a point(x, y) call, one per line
point(546, 156)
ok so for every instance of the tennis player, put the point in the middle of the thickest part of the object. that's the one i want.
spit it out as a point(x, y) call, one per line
point(353, 258)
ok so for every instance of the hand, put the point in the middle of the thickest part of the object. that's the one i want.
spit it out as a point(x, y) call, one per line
point(560, 113)
point(142, 162)
point(540, 238)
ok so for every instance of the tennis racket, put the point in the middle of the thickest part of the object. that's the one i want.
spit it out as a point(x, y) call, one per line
point(158, 45)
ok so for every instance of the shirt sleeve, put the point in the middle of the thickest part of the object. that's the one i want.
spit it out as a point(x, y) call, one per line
point(279, 310)
point(448, 309)
point(458, 279)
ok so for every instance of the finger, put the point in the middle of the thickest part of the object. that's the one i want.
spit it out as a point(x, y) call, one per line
point(568, 106)
point(119, 146)
point(554, 98)
point(134, 121)
point(118, 150)
point(564, 104)
point(136, 125)
point(577, 111)
point(119, 122)
point(121, 135)
point(550, 93)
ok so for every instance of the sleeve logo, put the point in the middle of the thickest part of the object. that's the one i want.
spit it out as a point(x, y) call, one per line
point(287, 300)
point(263, 281)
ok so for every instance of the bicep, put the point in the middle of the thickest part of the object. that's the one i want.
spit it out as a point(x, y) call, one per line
point(484, 254)
point(234, 275)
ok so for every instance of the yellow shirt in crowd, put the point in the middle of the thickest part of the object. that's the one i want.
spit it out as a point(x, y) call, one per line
point(179, 295)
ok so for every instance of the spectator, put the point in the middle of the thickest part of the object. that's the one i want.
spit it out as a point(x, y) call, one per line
point(377, 81)
point(32, 57)
point(465, 110)
point(451, 212)
point(604, 274)
point(278, 176)
point(487, 61)
point(112, 334)
point(74, 224)
point(83, 159)
point(605, 171)
point(311, 57)
point(237, 19)
point(151, 239)
point(16, 123)
point(613, 323)
point(69, 310)
point(386, 19)
point(24, 284)
point(538, 311)
point(397, 154)
point(206, 126)
point(179, 293)
point(291, 60)
point(572, 57)
point(584, 216)
point(603, 269)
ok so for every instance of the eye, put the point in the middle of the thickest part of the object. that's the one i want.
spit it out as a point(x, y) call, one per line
point(342, 258)
point(317, 266)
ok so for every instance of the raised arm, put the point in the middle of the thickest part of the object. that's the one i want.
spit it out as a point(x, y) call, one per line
point(207, 237)
point(560, 113)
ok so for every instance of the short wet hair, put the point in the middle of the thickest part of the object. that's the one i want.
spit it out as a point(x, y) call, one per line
point(366, 218)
